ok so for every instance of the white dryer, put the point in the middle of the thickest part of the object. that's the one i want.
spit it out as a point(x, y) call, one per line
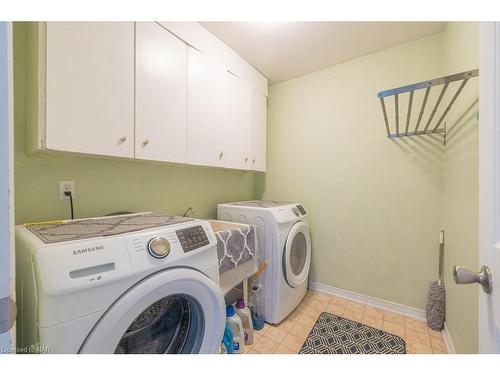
point(145, 283)
point(284, 241)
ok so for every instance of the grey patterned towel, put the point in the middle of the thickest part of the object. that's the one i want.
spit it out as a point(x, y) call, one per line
point(103, 226)
point(235, 247)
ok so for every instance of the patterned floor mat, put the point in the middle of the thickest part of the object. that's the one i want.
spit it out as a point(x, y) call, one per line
point(332, 334)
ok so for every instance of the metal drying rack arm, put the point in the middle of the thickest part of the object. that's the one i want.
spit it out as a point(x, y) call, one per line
point(445, 82)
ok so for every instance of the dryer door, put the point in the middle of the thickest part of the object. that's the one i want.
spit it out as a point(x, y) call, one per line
point(297, 255)
point(178, 310)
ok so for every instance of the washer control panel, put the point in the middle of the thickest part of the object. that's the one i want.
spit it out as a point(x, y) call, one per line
point(301, 209)
point(192, 238)
point(159, 247)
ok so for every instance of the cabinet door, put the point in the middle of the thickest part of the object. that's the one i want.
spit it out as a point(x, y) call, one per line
point(206, 112)
point(161, 84)
point(258, 132)
point(237, 125)
point(90, 87)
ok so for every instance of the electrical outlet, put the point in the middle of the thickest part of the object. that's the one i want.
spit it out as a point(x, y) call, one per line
point(65, 186)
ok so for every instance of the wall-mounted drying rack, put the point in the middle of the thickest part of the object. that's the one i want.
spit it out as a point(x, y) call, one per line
point(437, 128)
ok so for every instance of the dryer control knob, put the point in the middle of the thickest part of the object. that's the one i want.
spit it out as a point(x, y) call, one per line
point(159, 247)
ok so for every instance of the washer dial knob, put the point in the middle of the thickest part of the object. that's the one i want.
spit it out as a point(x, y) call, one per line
point(159, 247)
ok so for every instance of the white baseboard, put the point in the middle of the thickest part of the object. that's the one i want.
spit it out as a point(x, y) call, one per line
point(377, 302)
point(447, 340)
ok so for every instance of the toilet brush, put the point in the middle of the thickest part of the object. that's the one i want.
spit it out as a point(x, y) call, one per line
point(436, 303)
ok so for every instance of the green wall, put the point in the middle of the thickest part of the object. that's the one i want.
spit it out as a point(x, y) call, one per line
point(107, 185)
point(374, 203)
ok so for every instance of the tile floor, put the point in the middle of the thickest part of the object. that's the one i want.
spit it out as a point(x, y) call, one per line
point(288, 336)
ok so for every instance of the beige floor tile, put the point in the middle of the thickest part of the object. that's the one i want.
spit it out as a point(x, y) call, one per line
point(306, 319)
point(276, 334)
point(433, 333)
point(335, 309)
point(312, 311)
point(266, 345)
point(374, 312)
point(301, 306)
point(437, 351)
point(437, 343)
point(323, 297)
point(256, 337)
point(394, 328)
point(393, 317)
point(310, 293)
point(417, 336)
point(418, 325)
point(295, 314)
point(264, 329)
point(417, 348)
point(285, 324)
point(294, 342)
point(355, 315)
point(373, 322)
point(317, 304)
point(301, 330)
point(357, 306)
point(339, 301)
point(253, 351)
point(282, 349)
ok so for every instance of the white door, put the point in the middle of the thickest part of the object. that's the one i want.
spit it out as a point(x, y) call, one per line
point(206, 109)
point(258, 132)
point(173, 311)
point(160, 103)
point(236, 130)
point(489, 184)
point(7, 306)
point(90, 87)
point(297, 255)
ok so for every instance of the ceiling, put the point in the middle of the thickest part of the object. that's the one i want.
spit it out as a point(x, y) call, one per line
point(284, 50)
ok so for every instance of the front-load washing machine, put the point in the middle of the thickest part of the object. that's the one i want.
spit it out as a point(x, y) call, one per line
point(284, 241)
point(142, 283)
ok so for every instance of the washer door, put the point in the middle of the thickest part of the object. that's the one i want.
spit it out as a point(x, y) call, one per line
point(178, 310)
point(297, 255)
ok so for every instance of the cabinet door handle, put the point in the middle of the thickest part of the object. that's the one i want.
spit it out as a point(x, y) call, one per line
point(145, 142)
point(221, 155)
point(246, 159)
point(123, 138)
point(253, 160)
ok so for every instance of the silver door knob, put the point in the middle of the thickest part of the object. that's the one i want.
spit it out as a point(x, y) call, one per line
point(221, 155)
point(145, 142)
point(462, 275)
point(123, 139)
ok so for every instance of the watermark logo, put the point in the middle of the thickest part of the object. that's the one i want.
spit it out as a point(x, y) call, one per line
point(32, 349)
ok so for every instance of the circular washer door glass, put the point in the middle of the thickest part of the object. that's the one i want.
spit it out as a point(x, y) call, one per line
point(173, 324)
point(297, 255)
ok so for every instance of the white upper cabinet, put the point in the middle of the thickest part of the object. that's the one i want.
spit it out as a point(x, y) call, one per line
point(237, 125)
point(162, 91)
point(89, 87)
point(206, 110)
point(160, 102)
point(258, 132)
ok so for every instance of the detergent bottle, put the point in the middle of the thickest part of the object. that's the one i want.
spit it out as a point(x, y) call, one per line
point(236, 326)
point(246, 320)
